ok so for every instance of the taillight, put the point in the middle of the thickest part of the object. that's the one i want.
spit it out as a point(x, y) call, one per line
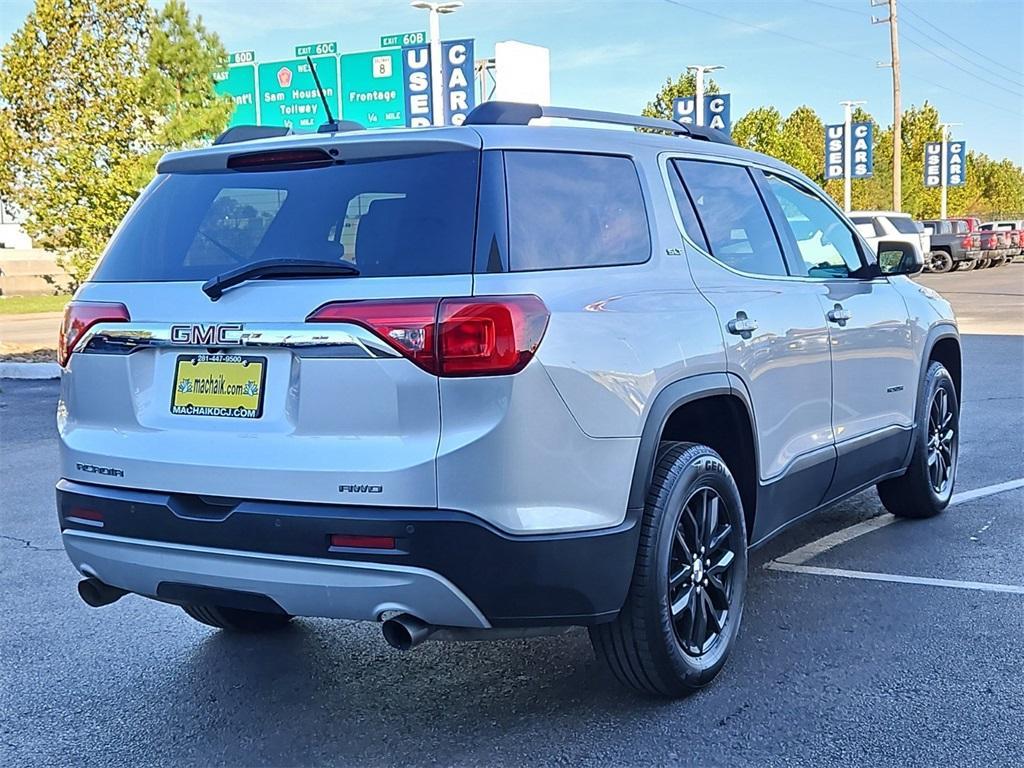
point(967, 242)
point(477, 336)
point(408, 325)
point(79, 317)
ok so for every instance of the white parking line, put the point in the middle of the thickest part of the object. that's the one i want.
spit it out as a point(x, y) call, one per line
point(824, 544)
point(988, 490)
point(895, 578)
point(794, 562)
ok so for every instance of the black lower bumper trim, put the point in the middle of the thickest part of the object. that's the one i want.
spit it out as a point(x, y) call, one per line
point(537, 580)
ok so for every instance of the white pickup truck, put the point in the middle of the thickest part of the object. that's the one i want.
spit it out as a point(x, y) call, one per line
point(890, 225)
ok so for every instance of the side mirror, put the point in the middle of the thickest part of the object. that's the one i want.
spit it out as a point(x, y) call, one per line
point(899, 258)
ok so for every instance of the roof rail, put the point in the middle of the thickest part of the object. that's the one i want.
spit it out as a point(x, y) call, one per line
point(250, 133)
point(514, 113)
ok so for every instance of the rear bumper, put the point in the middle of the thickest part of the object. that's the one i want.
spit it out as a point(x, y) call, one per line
point(447, 567)
point(301, 586)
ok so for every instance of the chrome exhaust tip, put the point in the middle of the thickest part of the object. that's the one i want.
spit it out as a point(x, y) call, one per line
point(97, 594)
point(404, 632)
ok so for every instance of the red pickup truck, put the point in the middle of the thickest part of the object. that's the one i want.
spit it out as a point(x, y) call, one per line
point(1015, 229)
point(996, 247)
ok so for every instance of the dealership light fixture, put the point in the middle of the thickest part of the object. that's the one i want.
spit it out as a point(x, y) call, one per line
point(436, 76)
point(699, 71)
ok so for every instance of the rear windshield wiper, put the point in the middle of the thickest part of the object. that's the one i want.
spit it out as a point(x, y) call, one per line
point(215, 286)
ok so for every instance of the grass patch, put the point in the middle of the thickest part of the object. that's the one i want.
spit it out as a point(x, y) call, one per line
point(17, 305)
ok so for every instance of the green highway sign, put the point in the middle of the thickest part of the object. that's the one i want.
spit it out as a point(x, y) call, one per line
point(239, 82)
point(241, 57)
point(316, 49)
point(372, 92)
point(288, 94)
point(409, 38)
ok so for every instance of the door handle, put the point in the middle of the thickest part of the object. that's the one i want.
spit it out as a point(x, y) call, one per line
point(839, 315)
point(742, 325)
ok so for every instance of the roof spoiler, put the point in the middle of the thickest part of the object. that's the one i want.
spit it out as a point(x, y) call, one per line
point(515, 113)
point(251, 133)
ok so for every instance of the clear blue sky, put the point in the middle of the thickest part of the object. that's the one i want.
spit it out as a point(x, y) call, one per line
point(615, 55)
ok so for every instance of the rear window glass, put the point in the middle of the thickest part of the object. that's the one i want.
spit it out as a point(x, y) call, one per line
point(574, 210)
point(904, 225)
point(390, 217)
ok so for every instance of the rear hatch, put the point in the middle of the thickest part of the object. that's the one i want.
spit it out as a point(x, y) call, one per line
point(243, 395)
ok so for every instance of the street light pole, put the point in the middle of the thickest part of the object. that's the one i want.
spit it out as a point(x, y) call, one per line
point(848, 152)
point(436, 65)
point(698, 101)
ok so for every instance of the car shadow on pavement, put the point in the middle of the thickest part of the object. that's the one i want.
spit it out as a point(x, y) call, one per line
point(339, 680)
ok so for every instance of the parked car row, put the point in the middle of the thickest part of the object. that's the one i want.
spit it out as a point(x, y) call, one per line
point(947, 244)
point(967, 243)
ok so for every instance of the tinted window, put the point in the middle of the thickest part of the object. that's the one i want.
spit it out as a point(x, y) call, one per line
point(826, 244)
point(689, 216)
point(572, 210)
point(904, 226)
point(734, 219)
point(390, 217)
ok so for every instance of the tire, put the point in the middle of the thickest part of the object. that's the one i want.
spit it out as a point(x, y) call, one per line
point(941, 261)
point(957, 265)
point(645, 647)
point(981, 264)
point(236, 619)
point(927, 486)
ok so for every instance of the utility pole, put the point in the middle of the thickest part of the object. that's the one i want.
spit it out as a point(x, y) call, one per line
point(944, 165)
point(848, 152)
point(698, 99)
point(897, 108)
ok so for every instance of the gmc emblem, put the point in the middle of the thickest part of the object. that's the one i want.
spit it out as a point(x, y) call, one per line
point(206, 335)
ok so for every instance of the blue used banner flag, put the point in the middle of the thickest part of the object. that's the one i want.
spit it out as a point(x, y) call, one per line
point(459, 90)
point(933, 164)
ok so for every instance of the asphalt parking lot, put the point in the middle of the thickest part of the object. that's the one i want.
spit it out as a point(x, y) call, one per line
point(865, 641)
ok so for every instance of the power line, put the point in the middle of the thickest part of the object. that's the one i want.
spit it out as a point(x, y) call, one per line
point(958, 42)
point(836, 7)
point(935, 40)
point(762, 28)
point(930, 52)
point(813, 44)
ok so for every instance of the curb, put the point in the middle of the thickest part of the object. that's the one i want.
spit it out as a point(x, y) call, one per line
point(29, 371)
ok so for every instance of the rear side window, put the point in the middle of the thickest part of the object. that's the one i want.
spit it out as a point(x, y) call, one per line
point(868, 226)
point(735, 222)
point(389, 217)
point(570, 210)
point(904, 226)
point(686, 212)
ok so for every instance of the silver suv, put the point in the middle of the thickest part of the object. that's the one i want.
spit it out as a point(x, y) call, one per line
point(490, 380)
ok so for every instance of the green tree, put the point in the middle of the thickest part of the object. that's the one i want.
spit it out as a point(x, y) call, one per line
point(684, 85)
point(178, 86)
point(760, 130)
point(91, 91)
point(993, 188)
point(803, 139)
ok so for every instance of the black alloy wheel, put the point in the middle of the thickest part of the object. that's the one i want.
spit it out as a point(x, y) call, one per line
point(700, 572)
point(942, 442)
